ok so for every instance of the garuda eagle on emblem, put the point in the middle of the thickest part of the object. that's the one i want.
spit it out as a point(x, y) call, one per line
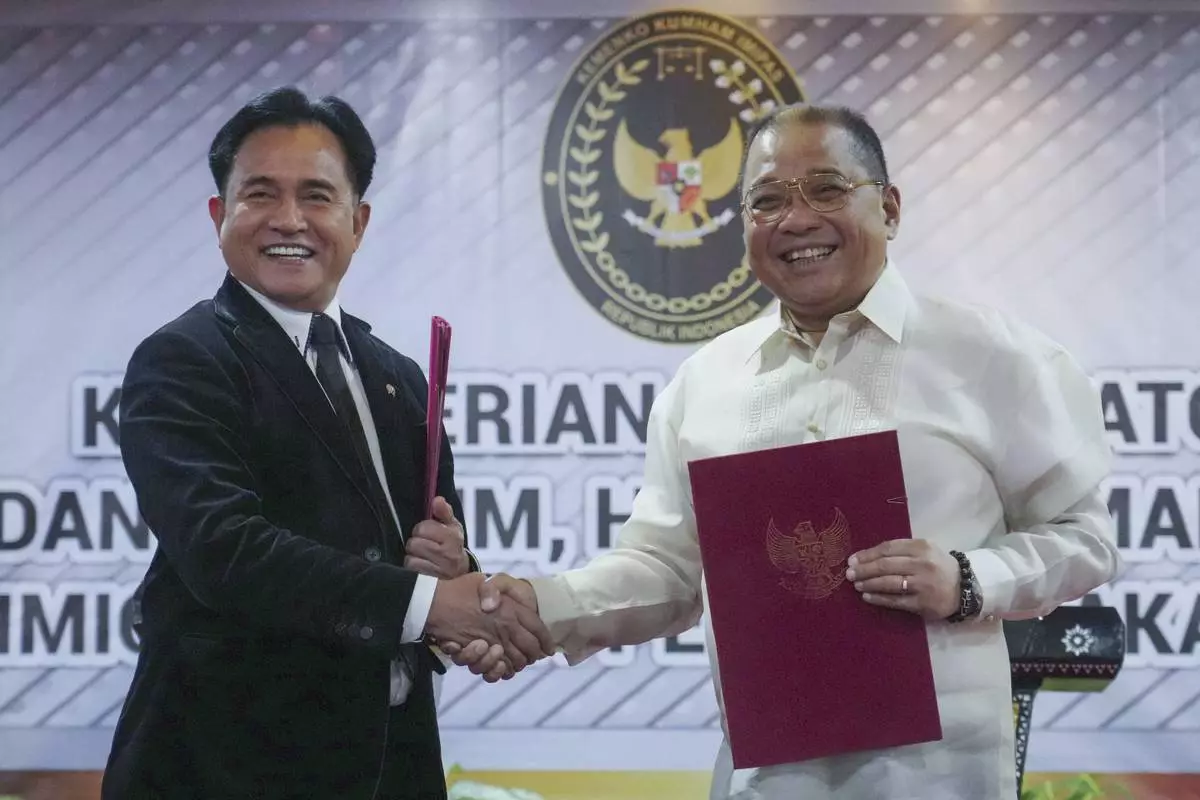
point(678, 184)
point(812, 562)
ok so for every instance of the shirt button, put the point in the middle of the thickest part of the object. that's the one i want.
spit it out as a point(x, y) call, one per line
point(814, 427)
point(990, 618)
point(366, 632)
point(821, 363)
point(372, 554)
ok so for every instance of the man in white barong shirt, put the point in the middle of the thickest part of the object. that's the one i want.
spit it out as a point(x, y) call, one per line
point(1001, 437)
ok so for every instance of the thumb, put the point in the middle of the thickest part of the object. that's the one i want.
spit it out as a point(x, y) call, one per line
point(489, 596)
point(441, 510)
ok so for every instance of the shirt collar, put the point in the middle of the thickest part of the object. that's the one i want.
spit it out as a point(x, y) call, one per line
point(885, 306)
point(298, 324)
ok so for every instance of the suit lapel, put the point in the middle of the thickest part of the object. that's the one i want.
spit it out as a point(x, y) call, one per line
point(398, 423)
point(282, 360)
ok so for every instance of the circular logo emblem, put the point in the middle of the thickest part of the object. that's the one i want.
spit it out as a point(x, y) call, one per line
point(640, 172)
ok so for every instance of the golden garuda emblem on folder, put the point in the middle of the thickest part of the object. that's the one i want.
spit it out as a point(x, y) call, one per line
point(812, 563)
point(640, 171)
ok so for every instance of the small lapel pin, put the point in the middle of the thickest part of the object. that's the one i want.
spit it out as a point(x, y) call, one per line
point(391, 390)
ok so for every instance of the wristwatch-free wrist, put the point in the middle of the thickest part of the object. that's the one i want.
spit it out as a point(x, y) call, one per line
point(970, 599)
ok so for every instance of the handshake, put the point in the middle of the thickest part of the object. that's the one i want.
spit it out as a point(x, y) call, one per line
point(490, 625)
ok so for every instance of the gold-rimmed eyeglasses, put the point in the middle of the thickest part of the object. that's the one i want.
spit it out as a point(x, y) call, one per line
point(824, 192)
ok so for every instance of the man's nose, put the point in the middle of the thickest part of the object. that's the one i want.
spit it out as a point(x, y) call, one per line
point(288, 217)
point(799, 217)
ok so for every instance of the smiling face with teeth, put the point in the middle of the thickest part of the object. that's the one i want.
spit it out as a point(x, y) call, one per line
point(818, 264)
point(289, 220)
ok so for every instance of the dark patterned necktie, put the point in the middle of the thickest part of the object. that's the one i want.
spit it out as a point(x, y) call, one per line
point(325, 339)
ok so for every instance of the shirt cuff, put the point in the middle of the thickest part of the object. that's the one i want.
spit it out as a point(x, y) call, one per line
point(995, 579)
point(418, 609)
point(557, 609)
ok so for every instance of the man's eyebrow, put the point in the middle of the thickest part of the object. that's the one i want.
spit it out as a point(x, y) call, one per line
point(258, 180)
point(318, 183)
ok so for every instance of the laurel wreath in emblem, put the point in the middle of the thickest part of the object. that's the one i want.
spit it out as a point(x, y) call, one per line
point(583, 198)
point(592, 134)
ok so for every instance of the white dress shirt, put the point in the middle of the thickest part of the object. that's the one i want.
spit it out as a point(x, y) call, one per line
point(296, 325)
point(1003, 448)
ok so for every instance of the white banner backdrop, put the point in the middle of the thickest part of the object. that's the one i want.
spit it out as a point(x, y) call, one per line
point(1049, 165)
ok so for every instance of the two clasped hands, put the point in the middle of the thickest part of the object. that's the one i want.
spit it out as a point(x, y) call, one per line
point(490, 625)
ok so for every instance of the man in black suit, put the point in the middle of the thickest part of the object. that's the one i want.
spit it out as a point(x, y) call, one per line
point(277, 451)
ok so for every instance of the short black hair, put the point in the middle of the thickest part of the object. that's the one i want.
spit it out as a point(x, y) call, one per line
point(868, 149)
point(289, 107)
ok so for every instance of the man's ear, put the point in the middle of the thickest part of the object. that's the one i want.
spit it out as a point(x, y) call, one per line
point(891, 210)
point(216, 210)
point(362, 216)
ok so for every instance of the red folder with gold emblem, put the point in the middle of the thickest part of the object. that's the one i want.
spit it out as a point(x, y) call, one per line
point(808, 668)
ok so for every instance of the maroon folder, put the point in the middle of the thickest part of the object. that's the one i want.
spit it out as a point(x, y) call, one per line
point(808, 668)
point(439, 366)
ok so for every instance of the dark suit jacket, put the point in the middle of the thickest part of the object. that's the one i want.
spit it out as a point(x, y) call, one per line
point(275, 601)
